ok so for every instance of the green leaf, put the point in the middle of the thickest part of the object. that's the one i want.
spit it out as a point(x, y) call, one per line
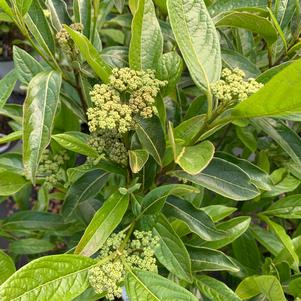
point(245, 250)
point(154, 201)
point(171, 251)
point(137, 158)
point(56, 277)
point(287, 138)
point(285, 240)
point(215, 290)
point(11, 137)
point(170, 68)
point(23, 6)
point(247, 138)
point(33, 220)
point(76, 142)
point(251, 22)
point(187, 130)
point(205, 259)
point(288, 207)
point(227, 5)
point(39, 27)
point(269, 100)
point(58, 13)
point(223, 178)
point(218, 212)
point(30, 246)
point(10, 183)
point(147, 286)
point(258, 176)
point(87, 186)
point(12, 162)
point(151, 136)
point(267, 285)
point(82, 13)
point(284, 10)
point(198, 40)
point(233, 59)
point(193, 159)
point(38, 116)
point(5, 7)
point(197, 220)
point(105, 220)
point(233, 229)
point(26, 66)
point(91, 55)
point(7, 84)
point(146, 45)
point(7, 267)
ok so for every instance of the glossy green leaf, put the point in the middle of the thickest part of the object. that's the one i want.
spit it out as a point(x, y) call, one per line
point(197, 39)
point(197, 220)
point(215, 290)
point(218, 212)
point(233, 229)
point(137, 159)
point(258, 176)
point(56, 277)
point(288, 207)
point(11, 137)
point(251, 22)
point(58, 13)
point(267, 285)
point(23, 6)
point(268, 239)
point(146, 45)
point(223, 178)
point(26, 66)
point(171, 251)
point(205, 259)
point(76, 142)
point(187, 130)
point(38, 116)
point(12, 162)
point(7, 267)
point(87, 186)
point(91, 55)
point(105, 220)
point(285, 240)
point(245, 250)
point(268, 101)
point(7, 84)
point(82, 13)
point(193, 159)
point(33, 220)
point(30, 246)
point(11, 183)
point(6, 8)
point(39, 27)
point(147, 286)
point(284, 10)
point(151, 136)
point(287, 138)
point(154, 201)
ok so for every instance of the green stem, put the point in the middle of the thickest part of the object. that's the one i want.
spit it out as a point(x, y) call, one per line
point(122, 246)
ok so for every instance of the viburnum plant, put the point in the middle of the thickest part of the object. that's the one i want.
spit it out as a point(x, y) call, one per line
point(159, 154)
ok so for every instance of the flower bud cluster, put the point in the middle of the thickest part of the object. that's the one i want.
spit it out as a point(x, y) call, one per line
point(129, 93)
point(232, 87)
point(51, 168)
point(65, 41)
point(138, 253)
point(110, 144)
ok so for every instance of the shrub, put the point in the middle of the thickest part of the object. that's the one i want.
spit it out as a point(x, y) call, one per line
point(159, 152)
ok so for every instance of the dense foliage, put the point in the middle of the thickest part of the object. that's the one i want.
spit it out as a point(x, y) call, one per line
point(159, 153)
